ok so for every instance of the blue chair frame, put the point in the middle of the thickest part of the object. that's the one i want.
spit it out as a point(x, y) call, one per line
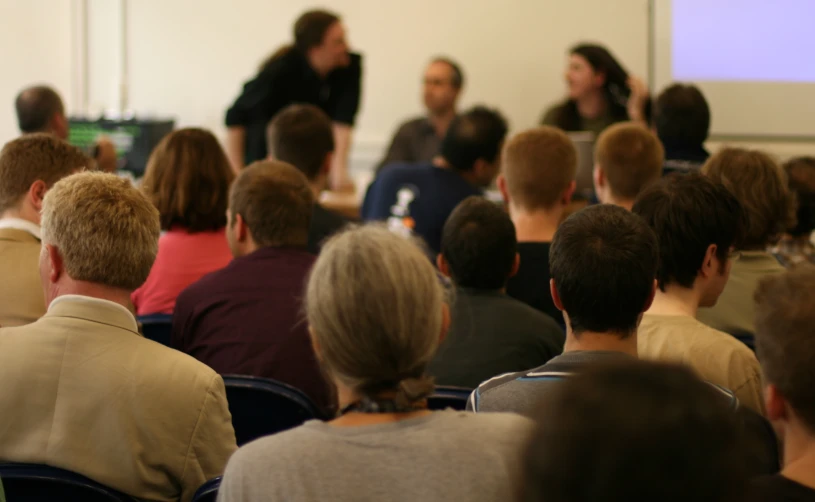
point(208, 492)
point(448, 396)
point(157, 327)
point(41, 483)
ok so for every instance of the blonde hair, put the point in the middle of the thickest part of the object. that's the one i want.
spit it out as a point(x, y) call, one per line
point(538, 166)
point(106, 230)
point(374, 304)
point(631, 157)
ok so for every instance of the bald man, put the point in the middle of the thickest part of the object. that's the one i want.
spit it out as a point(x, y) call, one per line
point(40, 109)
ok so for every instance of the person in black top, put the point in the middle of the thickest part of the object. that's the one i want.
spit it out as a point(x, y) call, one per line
point(682, 123)
point(316, 69)
point(537, 182)
point(785, 314)
point(301, 135)
point(490, 333)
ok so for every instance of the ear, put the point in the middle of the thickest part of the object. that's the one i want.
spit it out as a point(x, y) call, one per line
point(650, 299)
point(445, 321)
point(241, 230)
point(599, 177)
point(776, 404)
point(569, 193)
point(444, 267)
point(326, 167)
point(36, 193)
point(516, 265)
point(502, 187)
point(555, 295)
point(314, 344)
point(709, 266)
point(59, 125)
point(55, 263)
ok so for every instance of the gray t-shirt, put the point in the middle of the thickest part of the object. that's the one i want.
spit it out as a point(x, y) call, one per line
point(447, 455)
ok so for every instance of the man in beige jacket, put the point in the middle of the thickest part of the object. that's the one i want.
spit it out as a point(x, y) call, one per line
point(84, 391)
point(29, 166)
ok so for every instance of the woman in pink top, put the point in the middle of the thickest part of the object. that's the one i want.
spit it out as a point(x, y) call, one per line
point(187, 178)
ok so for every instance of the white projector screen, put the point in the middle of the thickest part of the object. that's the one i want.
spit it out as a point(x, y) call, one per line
point(753, 60)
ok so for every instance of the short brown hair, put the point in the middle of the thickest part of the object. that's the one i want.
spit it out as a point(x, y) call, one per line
point(35, 157)
point(302, 136)
point(539, 165)
point(785, 314)
point(188, 178)
point(631, 157)
point(310, 28)
point(761, 186)
point(35, 107)
point(275, 201)
point(104, 228)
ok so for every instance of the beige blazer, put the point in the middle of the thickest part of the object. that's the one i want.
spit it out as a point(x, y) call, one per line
point(82, 390)
point(21, 297)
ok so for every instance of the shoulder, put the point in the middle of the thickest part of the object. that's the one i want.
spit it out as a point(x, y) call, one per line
point(552, 114)
point(275, 450)
point(404, 172)
point(412, 125)
point(498, 425)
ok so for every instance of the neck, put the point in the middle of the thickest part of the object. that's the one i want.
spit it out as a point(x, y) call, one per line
point(20, 214)
point(623, 203)
point(592, 105)
point(320, 70)
point(441, 121)
point(468, 176)
point(606, 342)
point(536, 226)
point(347, 396)
point(91, 289)
point(317, 187)
point(676, 300)
point(799, 456)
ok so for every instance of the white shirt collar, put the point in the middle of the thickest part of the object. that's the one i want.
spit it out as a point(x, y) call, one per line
point(90, 300)
point(21, 224)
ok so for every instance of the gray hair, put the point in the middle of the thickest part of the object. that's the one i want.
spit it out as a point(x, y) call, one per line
point(374, 303)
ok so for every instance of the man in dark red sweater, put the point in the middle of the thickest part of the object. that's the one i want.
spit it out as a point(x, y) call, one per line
point(246, 318)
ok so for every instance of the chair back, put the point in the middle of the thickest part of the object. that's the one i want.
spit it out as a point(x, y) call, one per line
point(262, 406)
point(208, 492)
point(157, 327)
point(449, 397)
point(43, 483)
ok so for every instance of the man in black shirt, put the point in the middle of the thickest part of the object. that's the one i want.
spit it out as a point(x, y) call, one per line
point(301, 135)
point(316, 69)
point(537, 182)
point(682, 123)
point(490, 333)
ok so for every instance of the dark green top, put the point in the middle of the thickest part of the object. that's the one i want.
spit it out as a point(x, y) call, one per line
point(595, 125)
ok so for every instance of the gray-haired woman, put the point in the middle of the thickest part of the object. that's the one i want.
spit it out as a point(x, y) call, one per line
point(376, 312)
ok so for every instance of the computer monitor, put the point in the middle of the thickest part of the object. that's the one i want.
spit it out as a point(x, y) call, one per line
point(134, 139)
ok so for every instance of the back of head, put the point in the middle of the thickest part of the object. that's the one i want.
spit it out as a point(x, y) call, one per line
point(275, 201)
point(34, 157)
point(603, 261)
point(310, 28)
point(36, 107)
point(476, 134)
point(682, 116)
point(539, 165)
point(188, 178)
point(631, 158)
point(374, 304)
point(785, 314)
point(302, 136)
point(479, 244)
point(761, 186)
point(634, 432)
point(801, 175)
point(105, 230)
point(689, 212)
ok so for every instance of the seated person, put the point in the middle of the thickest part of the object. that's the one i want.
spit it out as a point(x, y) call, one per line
point(301, 135)
point(89, 393)
point(603, 263)
point(490, 333)
point(187, 179)
point(760, 185)
point(628, 158)
point(697, 222)
point(796, 245)
point(681, 119)
point(29, 166)
point(376, 313)
point(419, 139)
point(40, 109)
point(417, 199)
point(538, 167)
point(634, 432)
point(245, 318)
point(785, 314)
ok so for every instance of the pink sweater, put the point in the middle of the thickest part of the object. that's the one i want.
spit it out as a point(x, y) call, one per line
point(182, 259)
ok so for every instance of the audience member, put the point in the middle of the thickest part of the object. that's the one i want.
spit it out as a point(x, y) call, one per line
point(419, 139)
point(603, 263)
point(88, 393)
point(245, 319)
point(760, 185)
point(628, 159)
point(490, 333)
point(785, 314)
point(376, 313)
point(682, 123)
point(188, 180)
point(419, 198)
point(796, 245)
point(301, 135)
point(634, 432)
point(40, 109)
point(537, 181)
point(697, 222)
point(29, 166)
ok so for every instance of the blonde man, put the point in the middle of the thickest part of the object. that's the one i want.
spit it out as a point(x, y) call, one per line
point(29, 166)
point(89, 394)
point(537, 182)
point(628, 159)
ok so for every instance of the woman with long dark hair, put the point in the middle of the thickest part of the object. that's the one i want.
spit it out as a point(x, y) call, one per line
point(601, 93)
